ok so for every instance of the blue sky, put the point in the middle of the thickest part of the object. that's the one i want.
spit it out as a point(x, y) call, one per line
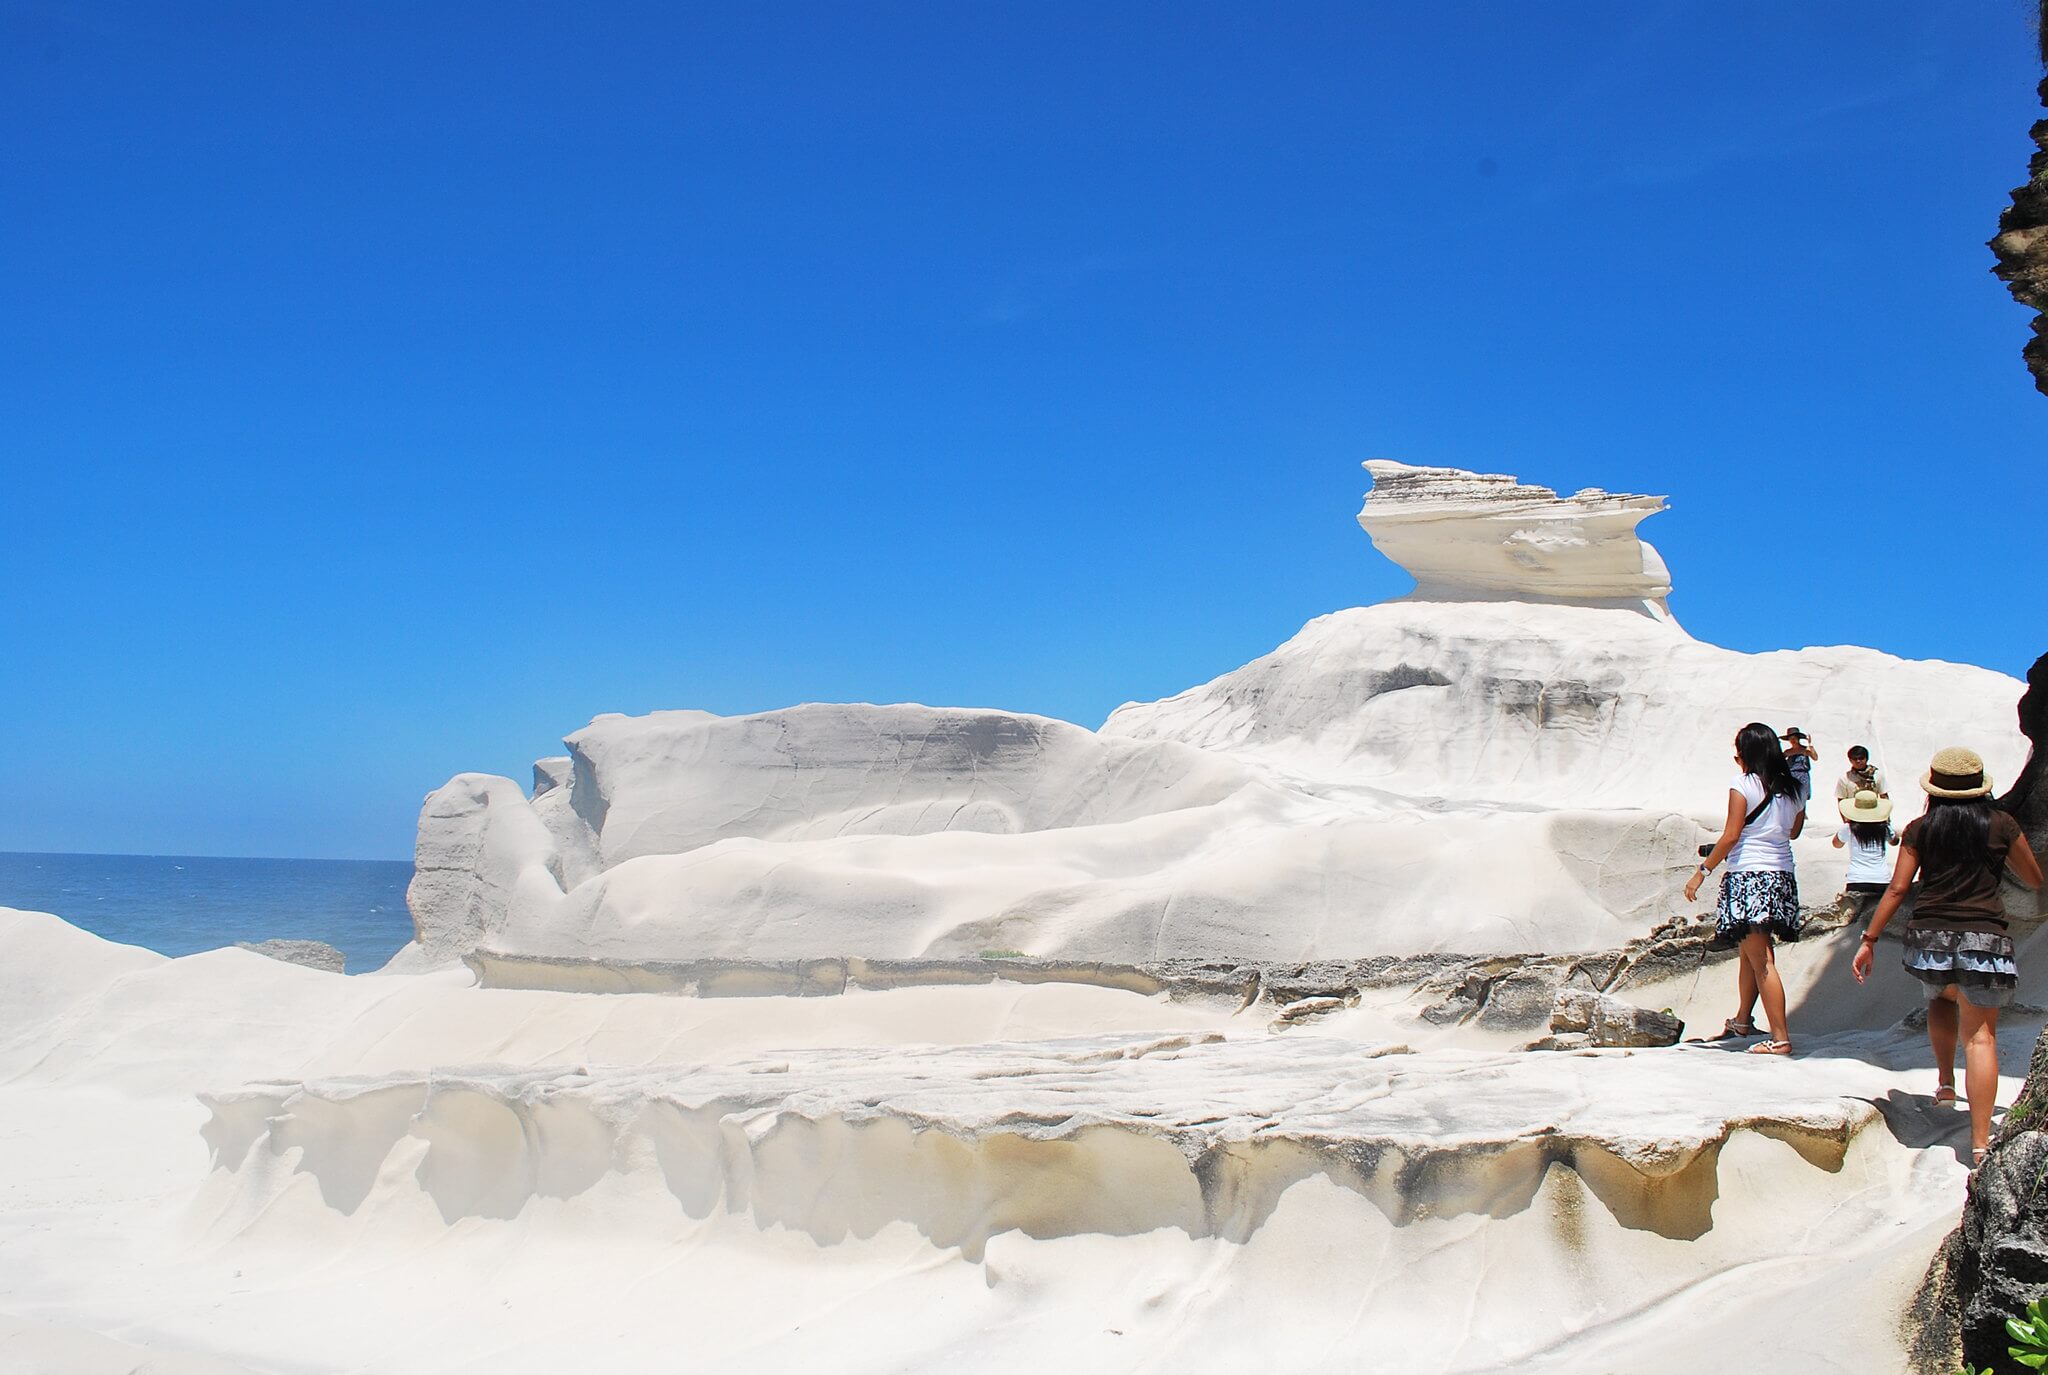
point(385, 390)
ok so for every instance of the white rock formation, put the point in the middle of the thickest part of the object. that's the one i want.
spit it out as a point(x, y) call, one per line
point(551, 773)
point(1452, 771)
point(226, 1163)
point(901, 831)
point(1525, 705)
point(1484, 535)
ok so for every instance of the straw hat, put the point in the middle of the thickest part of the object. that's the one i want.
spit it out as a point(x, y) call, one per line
point(1866, 806)
point(1956, 772)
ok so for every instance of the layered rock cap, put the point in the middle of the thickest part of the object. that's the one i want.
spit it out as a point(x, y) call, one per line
point(1465, 535)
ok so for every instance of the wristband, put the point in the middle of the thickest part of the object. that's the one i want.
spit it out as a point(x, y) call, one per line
point(1870, 938)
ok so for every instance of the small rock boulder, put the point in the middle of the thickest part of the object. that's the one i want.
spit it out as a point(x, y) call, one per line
point(1566, 1040)
point(550, 774)
point(1609, 1021)
point(312, 954)
point(1301, 1009)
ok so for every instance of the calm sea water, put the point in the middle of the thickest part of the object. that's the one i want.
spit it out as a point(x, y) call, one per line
point(180, 904)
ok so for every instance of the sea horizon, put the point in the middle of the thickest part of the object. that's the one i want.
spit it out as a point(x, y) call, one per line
point(181, 905)
point(167, 854)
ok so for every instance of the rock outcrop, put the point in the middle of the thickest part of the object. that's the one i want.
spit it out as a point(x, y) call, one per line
point(2027, 799)
point(1522, 705)
point(312, 954)
point(1108, 1134)
point(905, 831)
point(1580, 1018)
point(2021, 245)
point(1465, 535)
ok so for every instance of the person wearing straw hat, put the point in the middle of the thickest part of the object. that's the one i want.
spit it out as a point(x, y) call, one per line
point(1956, 941)
point(1867, 834)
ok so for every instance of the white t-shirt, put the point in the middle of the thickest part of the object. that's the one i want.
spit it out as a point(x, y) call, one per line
point(1766, 842)
point(1867, 862)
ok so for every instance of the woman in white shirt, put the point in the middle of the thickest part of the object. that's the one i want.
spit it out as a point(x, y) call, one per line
point(1759, 893)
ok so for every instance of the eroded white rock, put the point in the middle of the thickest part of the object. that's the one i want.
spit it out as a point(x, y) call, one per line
point(1522, 704)
point(1516, 759)
point(1172, 1130)
point(1485, 535)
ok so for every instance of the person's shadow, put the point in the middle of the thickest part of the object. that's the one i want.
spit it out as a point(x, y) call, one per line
point(1916, 1121)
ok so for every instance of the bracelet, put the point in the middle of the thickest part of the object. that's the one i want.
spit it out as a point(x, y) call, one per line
point(1870, 938)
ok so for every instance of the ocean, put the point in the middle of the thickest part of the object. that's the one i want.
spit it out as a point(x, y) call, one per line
point(181, 904)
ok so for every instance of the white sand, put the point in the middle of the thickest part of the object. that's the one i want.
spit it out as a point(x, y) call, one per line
point(926, 1177)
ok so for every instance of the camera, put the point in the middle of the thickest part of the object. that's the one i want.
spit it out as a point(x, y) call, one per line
point(1706, 849)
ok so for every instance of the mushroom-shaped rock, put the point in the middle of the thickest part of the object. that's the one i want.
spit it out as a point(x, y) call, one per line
point(1485, 536)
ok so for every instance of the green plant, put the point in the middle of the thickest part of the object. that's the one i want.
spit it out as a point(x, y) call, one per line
point(2029, 1336)
point(1002, 954)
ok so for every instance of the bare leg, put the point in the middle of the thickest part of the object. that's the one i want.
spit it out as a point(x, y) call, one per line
point(1980, 1068)
point(1745, 986)
point(1941, 1035)
point(1763, 964)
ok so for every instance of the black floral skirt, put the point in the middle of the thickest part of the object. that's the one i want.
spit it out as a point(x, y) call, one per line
point(1764, 900)
point(1979, 963)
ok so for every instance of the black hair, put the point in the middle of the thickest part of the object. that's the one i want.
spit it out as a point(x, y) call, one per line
point(1756, 744)
point(1859, 752)
point(1870, 831)
point(1955, 834)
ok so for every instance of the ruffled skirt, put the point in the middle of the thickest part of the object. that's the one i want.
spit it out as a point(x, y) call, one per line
point(1760, 900)
point(1979, 963)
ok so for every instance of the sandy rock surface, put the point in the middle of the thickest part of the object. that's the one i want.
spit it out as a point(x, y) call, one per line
point(235, 1163)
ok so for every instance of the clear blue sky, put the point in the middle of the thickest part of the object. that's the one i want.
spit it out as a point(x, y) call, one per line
point(387, 389)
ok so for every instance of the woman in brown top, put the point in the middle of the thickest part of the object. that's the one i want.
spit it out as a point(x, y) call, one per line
point(1956, 941)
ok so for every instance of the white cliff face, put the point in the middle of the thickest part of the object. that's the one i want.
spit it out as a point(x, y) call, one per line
point(675, 781)
point(1467, 536)
point(908, 831)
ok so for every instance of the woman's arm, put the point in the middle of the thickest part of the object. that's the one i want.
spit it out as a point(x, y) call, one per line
point(2025, 867)
point(1799, 823)
point(1837, 841)
point(1888, 905)
point(1731, 832)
